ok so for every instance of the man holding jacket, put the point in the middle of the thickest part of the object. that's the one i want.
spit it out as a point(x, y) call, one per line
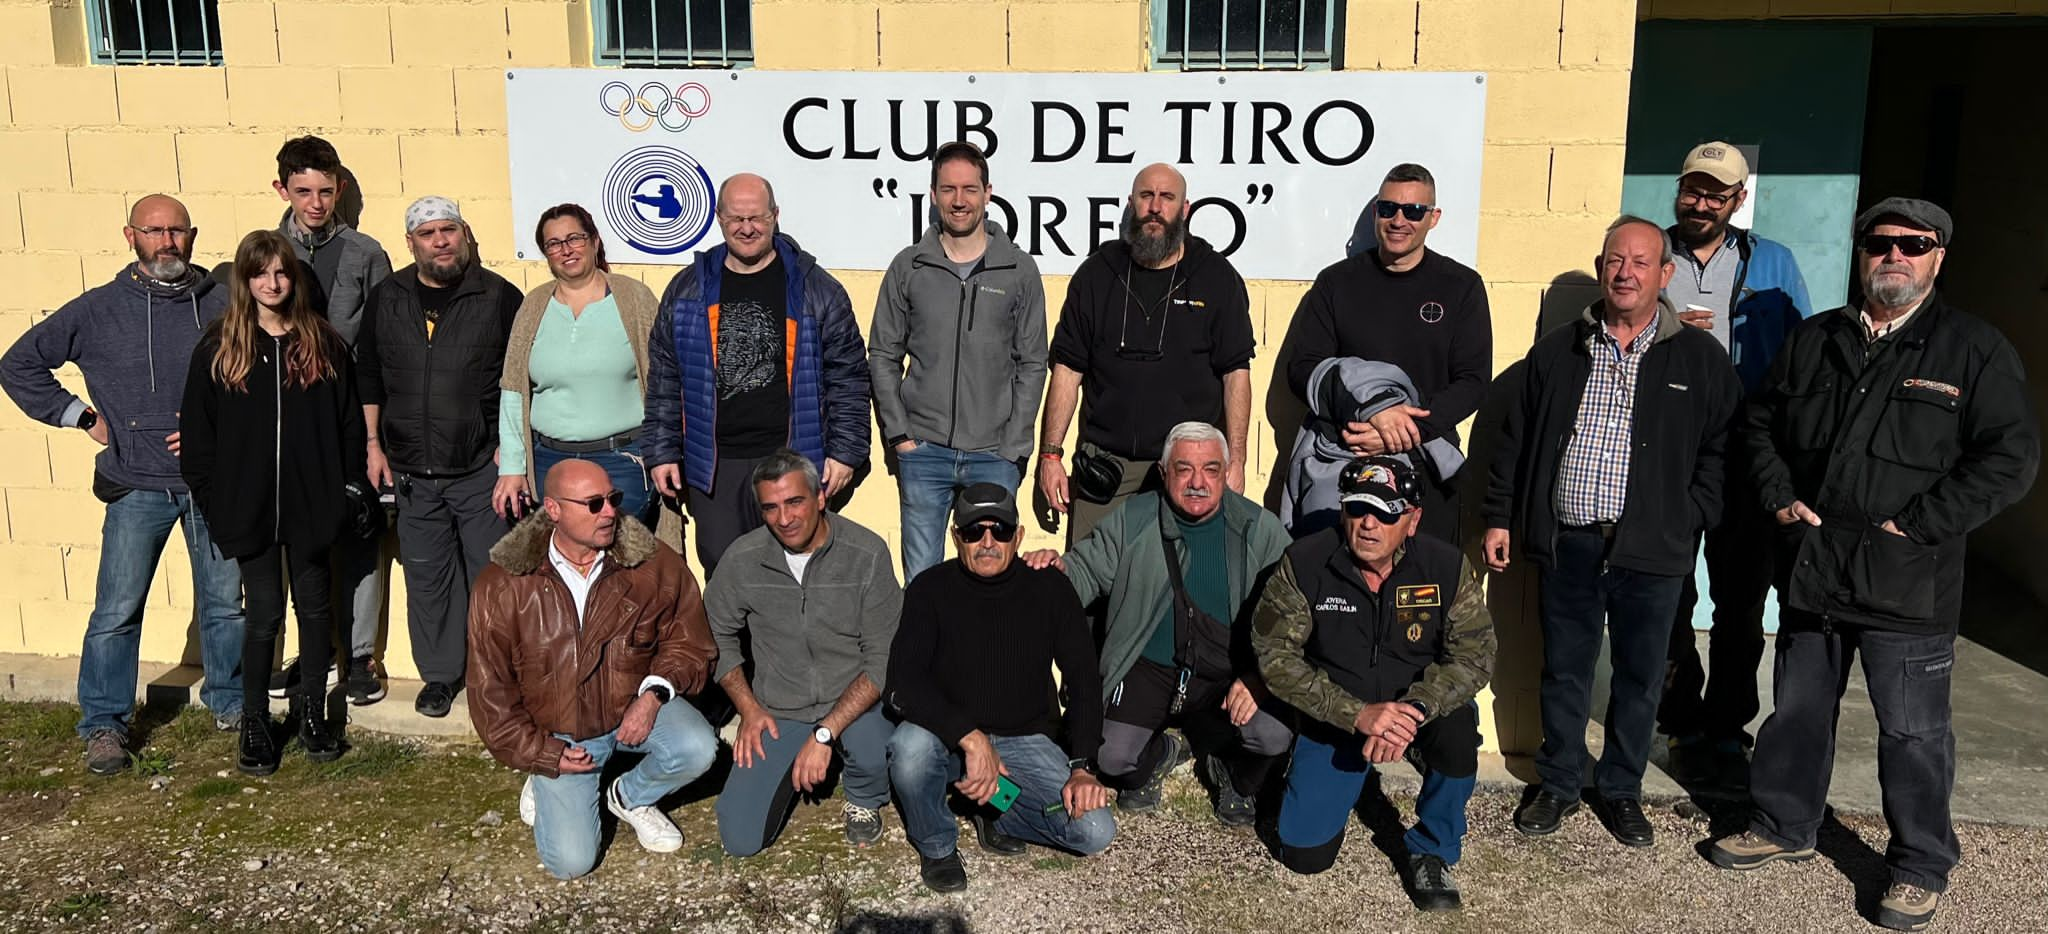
point(1882, 437)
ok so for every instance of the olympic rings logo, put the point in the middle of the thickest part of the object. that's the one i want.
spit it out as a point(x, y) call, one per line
point(654, 104)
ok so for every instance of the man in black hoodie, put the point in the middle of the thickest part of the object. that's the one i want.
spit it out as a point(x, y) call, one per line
point(1156, 331)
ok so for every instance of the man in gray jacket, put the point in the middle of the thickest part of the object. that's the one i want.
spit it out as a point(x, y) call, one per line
point(957, 352)
point(818, 602)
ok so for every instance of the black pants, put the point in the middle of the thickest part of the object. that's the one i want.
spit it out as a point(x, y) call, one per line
point(1581, 596)
point(1719, 700)
point(263, 605)
point(1440, 511)
point(720, 517)
point(445, 532)
point(1908, 677)
point(1141, 709)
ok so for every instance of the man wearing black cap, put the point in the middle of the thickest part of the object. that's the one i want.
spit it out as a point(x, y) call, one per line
point(1381, 638)
point(1883, 435)
point(970, 675)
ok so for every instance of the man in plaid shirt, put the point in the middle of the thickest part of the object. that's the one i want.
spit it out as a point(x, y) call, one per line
point(1610, 465)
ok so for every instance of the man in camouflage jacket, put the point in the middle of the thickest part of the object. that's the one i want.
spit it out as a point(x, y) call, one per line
point(1353, 631)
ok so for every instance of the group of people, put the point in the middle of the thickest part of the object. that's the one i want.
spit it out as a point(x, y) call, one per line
point(543, 451)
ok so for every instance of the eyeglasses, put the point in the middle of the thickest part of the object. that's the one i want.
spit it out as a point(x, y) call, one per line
point(596, 504)
point(1359, 509)
point(1003, 531)
point(1713, 202)
point(175, 233)
point(1413, 212)
point(1908, 244)
point(561, 243)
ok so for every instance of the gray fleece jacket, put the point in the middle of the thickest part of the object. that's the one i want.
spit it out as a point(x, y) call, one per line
point(347, 262)
point(133, 340)
point(960, 362)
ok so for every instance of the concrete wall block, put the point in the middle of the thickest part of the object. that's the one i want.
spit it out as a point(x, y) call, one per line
point(34, 159)
point(480, 100)
point(27, 463)
point(152, 95)
point(248, 32)
point(384, 219)
point(1515, 178)
point(318, 33)
point(1273, 306)
point(53, 627)
point(540, 35)
point(1514, 306)
point(449, 34)
point(228, 163)
point(32, 572)
point(372, 157)
point(1379, 35)
point(54, 516)
point(73, 221)
point(1557, 106)
point(945, 36)
point(459, 167)
point(1536, 248)
point(54, 95)
point(1488, 35)
point(290, 98)
point(134, 161)
point(1708, 9)
point(72, 455)
point(1598, 33)
point(44, 281)
point(26, 37)
point(10, 221)
point(408, 98)
point(1587, 178)
point(815, 34)
point(1108, 36)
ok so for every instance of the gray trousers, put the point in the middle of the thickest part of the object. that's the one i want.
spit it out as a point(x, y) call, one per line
point(362, 578)
point(445, 532)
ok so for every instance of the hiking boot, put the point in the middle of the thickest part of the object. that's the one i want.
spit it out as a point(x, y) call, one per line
point(435, 699)
point(106, 752)
point(1232, 808)
point(1907, 907)
point(526, 804)
point(863, 825)
point(993, 840)
point(284, 682)
point(1146, 798)
point(364, 686)
point(256, 751)
point(316, 735)
point(1624, 818)
point(1544, 814)
point(657, 833)
point(944, 874)
point(1431, 886)
point(1747, 850)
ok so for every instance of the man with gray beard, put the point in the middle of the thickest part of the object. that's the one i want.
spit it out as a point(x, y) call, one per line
point(429, 356)
point(1156, 331)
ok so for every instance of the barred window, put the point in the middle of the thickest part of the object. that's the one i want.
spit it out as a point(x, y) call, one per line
point(1214, 35)
point(674, 33)
point(154, 32)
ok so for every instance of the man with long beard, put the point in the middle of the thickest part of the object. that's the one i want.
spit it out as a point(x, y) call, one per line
point(1156, 331)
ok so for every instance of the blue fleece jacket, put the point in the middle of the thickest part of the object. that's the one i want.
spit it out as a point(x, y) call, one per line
point(133, 340)
point(1772, 302)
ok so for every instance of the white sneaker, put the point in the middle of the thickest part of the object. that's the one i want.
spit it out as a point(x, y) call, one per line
point(526, 801)
point(657, 833)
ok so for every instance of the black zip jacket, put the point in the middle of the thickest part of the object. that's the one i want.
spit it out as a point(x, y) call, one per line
point(440, 397)
point(1686, 399)
point(267, 464)
point(1929, 427)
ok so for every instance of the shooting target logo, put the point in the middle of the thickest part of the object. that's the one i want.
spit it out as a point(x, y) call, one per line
point(659, 200)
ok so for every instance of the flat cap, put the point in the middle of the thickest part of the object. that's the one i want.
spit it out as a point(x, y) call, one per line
point(1924, 215)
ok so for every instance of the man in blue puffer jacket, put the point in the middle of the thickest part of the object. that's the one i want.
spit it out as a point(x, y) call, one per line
point(1747, 292)
point(755, 349)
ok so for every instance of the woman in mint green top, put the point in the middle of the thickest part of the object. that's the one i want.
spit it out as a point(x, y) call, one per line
point(575, 371)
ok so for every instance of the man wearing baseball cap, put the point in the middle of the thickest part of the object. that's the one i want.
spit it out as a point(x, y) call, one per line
point(428, 360)
point(1747, 292)
point(1884, 434)
point(1381, 638)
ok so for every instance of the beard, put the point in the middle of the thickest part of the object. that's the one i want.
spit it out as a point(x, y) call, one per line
point(1893, 291)
point(452, 273)
point(165, 266)
point(1146, 249)
point(1698, 227)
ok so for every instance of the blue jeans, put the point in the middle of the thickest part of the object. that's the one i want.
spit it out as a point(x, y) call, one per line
point(924, 771)
point(757, 799)
point(928, 477)
point(622, 464)
point(1328, 773)
point(131, 542)
point(565, 809)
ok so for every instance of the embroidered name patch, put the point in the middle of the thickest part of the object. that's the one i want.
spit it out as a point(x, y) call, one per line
point(1418, 595)
point(1934, 386)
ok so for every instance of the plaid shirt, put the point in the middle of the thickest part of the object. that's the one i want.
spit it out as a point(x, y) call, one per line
point(1592, 480)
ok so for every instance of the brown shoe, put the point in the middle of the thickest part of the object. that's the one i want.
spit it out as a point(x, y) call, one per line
point(1907, 907)
point(1747, 850)
point(106, 752)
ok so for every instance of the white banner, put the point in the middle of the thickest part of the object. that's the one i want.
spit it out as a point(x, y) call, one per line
point(1279, 165)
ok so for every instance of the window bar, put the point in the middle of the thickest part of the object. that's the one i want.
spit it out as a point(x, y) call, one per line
point(654, 33)
point(141, 40)
point(206, 37)
point(177, 52)
point(724, 38)
point(1301, 33)
point(1329, 54)
point(1223, 38)
point(1187, 26)
point(1262, 35)
point(689, 35)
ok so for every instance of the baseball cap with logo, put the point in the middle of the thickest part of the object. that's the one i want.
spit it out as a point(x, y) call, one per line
point(1718, 160)
point(982, 502)
point(1384, 483)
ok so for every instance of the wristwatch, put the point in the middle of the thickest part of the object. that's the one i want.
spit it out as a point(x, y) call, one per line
point(1419, 706)
point(87, 419)
point(660, 693)
point(823, 734)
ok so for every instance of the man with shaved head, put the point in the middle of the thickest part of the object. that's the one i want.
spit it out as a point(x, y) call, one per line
point(1156, 331)
point(755, 349)
point(133, 340)
point(585, 633)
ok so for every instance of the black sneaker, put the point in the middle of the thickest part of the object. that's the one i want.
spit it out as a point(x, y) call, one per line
point(316, 735)
point(435, 699)
point(944, 874)
point(1625, 820)
point(1543, 814)
point(1232, 809)
point(284, 682)
point(993, 840)
point(1431, 886)
point(364, 687)
point(1146, 798)
point(106, 752)
point(256, 753)
point(863, 825)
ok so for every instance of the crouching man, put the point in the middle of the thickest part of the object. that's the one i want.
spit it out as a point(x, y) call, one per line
point(585, 633)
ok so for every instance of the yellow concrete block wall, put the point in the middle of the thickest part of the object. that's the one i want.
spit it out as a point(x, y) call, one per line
point(412, 95)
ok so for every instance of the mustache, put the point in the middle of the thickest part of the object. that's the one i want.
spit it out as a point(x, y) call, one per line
point(988, 551)
point(1193, 493)
point(1903, 269)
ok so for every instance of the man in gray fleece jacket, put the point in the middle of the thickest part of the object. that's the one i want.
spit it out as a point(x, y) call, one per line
point(818, 602)
point(957, 356)
point(133, 339)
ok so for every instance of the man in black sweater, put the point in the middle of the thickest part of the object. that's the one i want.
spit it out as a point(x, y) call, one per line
point(1402, 304)
point(970, 676)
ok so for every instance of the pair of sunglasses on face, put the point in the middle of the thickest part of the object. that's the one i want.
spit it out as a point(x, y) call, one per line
point(1413, 212)
point(596, 504)
point(1358, 510)
point(1003, 531)
point(1908, 244)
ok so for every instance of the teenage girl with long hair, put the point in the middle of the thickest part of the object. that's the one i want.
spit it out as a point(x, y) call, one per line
point(272, 430)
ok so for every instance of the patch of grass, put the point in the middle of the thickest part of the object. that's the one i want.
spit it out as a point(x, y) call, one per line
point(1058, 862)
point(368, 757)
point(79, 904)
point(215, 788)
point(30, 783)
point(38, 722)
point(152, 761)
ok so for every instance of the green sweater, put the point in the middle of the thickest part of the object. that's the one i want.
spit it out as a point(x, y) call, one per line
point(586, 383)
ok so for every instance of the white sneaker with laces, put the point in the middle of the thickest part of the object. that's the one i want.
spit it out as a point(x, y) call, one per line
point(526, 801)
point(657, 833)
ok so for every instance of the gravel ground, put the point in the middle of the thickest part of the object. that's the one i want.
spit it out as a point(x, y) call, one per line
point(404, 836)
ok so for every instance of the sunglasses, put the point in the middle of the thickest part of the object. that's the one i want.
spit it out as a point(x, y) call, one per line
point(1003, 531)
point(1908, 244)
point(1359, 510)
point(596, 504)
point(1413, 212)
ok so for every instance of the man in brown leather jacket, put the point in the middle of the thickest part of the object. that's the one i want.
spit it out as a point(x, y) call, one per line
point(584, 635)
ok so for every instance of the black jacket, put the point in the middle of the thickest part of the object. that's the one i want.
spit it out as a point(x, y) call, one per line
point(1933, 431)
point(1686, 399)
point(267, 464)
point(1376, 645)
point(440, 396)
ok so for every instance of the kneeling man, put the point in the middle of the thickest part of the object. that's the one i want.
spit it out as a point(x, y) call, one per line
point(584, 635)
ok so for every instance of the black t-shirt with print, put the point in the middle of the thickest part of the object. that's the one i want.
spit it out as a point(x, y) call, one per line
point(753, 370)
